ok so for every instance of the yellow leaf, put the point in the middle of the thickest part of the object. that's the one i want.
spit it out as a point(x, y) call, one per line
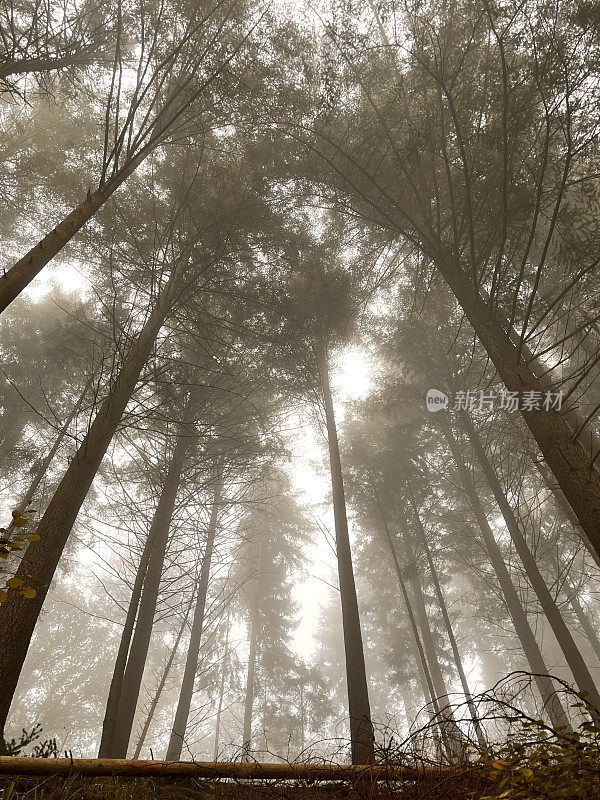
point(16, 513)
point(20, 522)
point(34, 537)
point(29, 592)
point(498, 764)
point(14, 583)
point(2, 595)
point(527, 772)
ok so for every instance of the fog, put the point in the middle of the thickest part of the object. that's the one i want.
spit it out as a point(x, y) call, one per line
point(300, 379)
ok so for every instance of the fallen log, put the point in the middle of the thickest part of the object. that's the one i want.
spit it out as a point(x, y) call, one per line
point(123, 767)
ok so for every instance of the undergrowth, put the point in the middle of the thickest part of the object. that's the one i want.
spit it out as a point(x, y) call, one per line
point(509, 753)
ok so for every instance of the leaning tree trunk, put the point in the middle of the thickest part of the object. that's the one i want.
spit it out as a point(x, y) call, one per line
point(162, 681)
point(116, 684)
point(26, 66)
point(20, 275)
point(567, 644)
point(19, 615)
point(361, 728)
point(449, 629)
point(533, 654)
point(560, 499)
point(561, 444)
point(159, 534)
point(570, 457)
point(580, 613)
point(586, 625)
point(191, 663)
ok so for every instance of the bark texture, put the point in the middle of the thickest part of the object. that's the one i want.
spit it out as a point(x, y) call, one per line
point(11, 765)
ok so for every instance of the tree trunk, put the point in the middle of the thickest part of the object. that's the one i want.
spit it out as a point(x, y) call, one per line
point(567, 644)
point(116, 684)
point(250, 679)
point(25, 66)
point(451, 734)
point(437, 677)
point(560, 499)
point(159, 534)
point(550, 699)
point(224, 669)
point(20, 275)
point(449, 629)
point(19, 615)
point(428, 688)
point(361, 728)
point(191, 664)
point(254, 641)
point(429, 694)
point(163, 680)
point(587, 626)
point(571, 462)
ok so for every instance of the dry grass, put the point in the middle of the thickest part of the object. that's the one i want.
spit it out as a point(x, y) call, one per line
point(77, 788)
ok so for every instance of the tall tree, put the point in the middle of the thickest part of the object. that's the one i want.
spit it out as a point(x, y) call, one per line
point(315, 319)
point(191, 664)
point(468, 211)
point(179, 58)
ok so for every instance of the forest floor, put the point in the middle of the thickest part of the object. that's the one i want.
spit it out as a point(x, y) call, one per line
point(79, 788)
point(472, 785)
